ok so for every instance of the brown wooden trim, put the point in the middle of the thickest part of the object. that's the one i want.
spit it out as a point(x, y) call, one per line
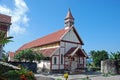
point(70, 42)
point(51, 63)
point(77, 61)
point(64, 53)
point(57, 64)
point(62, 46)
point(59, 60)
point(78, 36)
point(83, 61)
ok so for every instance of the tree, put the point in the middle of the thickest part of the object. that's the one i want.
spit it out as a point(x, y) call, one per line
point(3, 40)
point(115, 55)
point(97, 56)
point(28, 55)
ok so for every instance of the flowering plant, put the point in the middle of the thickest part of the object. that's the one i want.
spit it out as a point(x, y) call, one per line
point(22, 74)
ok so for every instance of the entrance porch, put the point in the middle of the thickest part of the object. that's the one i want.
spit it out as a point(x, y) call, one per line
point(75, 60)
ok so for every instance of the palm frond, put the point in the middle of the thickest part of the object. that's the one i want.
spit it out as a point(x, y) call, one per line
point(4, 39)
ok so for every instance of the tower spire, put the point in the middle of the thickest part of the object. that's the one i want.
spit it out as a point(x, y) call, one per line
point(69, 19)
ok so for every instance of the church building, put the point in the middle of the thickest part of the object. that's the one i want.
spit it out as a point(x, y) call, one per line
point(63, 47)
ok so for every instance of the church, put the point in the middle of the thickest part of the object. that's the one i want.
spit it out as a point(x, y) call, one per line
point(63, 47)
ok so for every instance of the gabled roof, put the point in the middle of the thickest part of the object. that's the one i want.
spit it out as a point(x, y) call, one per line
point(51, 38)
point(5, 19)
point(75, 31)
point(76, 50)
point(71, 50)
point(78, 36)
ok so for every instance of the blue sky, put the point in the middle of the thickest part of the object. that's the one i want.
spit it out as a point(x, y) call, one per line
point(96, 21)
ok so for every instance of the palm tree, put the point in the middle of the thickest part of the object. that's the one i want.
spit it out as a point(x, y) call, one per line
point(115, 55)
point(3, 40)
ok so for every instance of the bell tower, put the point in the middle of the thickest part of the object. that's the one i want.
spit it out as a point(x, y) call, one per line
point(69, 20)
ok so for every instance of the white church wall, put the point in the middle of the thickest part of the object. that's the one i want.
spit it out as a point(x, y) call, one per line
point(61, 66)
point(69, 46)
point(55, 66)
point(43, 65)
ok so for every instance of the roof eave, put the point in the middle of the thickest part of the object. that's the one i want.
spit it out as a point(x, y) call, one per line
point(5, 23)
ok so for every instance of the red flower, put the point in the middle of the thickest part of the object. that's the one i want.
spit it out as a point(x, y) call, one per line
point(23, 77)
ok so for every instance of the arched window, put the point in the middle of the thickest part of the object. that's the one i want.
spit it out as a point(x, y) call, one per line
point(55, 60)
point(61, 58)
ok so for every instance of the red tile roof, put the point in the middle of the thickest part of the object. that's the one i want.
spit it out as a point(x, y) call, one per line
point(48, 52)
point(51, 38)
point(5, 19)
point(11, 54)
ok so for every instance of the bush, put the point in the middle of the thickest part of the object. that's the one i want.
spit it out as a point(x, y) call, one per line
point(10, 72)
point(22, 74)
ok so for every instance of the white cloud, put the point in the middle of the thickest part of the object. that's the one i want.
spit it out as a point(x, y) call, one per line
point(19, 16)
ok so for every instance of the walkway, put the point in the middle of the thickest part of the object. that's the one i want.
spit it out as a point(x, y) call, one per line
point(92, 76)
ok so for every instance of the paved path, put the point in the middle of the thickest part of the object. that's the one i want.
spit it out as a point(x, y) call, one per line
point(92, 76)
point(117, 77)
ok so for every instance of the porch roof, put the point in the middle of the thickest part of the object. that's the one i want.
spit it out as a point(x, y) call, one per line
point(76, 50)
point(48, 52)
